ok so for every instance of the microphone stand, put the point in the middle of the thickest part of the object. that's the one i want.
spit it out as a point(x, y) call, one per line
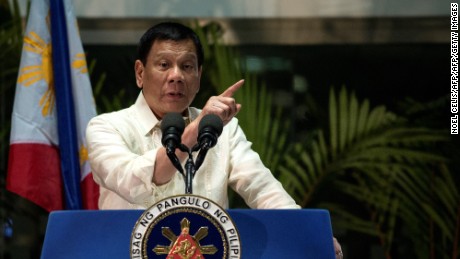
point(190, 168)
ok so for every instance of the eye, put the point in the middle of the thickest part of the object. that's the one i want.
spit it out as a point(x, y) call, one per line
point(163, 64)
point(188, 66)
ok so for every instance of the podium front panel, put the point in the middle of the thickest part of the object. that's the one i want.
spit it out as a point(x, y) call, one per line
point(304, 233)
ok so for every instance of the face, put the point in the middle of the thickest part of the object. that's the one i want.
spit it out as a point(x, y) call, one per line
point(170, 78)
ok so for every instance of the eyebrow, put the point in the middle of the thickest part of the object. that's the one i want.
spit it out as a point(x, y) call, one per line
point(170, 53)
point(186, 57)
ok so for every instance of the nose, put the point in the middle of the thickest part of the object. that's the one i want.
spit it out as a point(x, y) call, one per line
point(176, 74)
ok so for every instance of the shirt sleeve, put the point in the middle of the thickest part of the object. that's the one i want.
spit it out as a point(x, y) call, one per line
point(251, 179)
point(114, 162)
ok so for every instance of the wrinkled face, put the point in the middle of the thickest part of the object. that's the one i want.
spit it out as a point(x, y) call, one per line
point(170, 78)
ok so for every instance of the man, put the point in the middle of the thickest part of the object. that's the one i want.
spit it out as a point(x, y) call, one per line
point(125, 152)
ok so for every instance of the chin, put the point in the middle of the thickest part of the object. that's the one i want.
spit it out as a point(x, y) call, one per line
point(179, 110)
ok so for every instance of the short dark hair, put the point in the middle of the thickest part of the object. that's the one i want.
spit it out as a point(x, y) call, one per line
point(168, 31)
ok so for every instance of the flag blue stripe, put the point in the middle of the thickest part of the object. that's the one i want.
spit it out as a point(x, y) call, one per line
point(68, 143)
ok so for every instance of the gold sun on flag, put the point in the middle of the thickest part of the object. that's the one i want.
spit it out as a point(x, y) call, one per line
point(29, 75)
point(83, 154)
point(80, 63)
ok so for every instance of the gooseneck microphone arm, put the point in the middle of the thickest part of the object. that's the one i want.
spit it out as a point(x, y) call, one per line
point(189, 169)
point(174, 160)
point(201, 155)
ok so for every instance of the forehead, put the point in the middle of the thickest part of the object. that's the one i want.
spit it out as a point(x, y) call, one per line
point(165, 47)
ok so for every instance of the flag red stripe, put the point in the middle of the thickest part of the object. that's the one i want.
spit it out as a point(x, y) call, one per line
point(34, 173)
point(89, 193)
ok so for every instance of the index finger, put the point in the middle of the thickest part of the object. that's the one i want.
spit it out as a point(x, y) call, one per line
point(232, 89)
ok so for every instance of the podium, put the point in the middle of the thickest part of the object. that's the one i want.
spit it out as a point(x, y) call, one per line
point(305, 233)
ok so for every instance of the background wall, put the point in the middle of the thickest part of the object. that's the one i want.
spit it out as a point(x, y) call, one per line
point(298, 21)
point(258, 8)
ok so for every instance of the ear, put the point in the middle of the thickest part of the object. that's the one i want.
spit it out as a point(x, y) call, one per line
point(199, 71)
point(139, 72)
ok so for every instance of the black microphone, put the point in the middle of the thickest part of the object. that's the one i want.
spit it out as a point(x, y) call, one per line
point(209, 130)
point(172, 127)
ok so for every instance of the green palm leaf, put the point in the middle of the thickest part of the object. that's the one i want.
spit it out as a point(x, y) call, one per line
point(387, 160)
point(366, 154)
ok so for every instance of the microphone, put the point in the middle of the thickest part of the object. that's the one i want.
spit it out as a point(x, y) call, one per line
point(172, 127)
point(209, 130)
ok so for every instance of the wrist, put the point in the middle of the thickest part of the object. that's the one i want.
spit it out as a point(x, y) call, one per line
point(190, 135)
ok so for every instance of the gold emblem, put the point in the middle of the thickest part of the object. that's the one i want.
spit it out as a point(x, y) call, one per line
point(156, 233)
point(185, 246)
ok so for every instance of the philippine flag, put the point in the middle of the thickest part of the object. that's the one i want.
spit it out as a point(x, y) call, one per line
point(53, 103)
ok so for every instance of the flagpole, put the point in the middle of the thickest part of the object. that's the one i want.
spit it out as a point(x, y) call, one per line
point(68, 143)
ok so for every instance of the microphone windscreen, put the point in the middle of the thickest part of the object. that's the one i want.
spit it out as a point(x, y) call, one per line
point(213, 121)
point(173, 119)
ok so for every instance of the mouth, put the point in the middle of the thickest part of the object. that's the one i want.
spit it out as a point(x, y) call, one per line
point(175, 95)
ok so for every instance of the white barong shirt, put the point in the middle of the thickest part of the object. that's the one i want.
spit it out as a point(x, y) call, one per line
point(122, 148)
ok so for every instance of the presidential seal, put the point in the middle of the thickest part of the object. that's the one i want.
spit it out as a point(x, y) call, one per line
point(185, 226)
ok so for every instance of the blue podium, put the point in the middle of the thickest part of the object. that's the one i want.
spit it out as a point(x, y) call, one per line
point(305, 233)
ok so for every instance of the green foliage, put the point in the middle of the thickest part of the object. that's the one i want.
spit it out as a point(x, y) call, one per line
point(368, 156)
point(391, 169)
point(104, 102)
point(10, 52)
